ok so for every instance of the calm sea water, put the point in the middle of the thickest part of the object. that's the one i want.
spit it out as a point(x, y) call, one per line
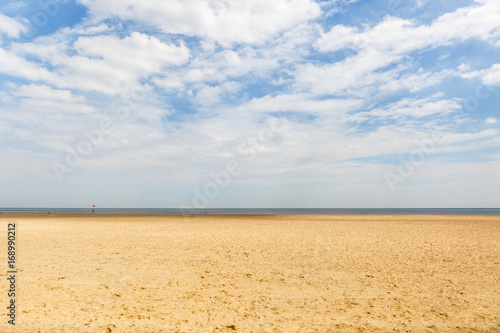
point(261, 211)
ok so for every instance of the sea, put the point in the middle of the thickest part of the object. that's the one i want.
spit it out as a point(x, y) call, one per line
point(258, 211)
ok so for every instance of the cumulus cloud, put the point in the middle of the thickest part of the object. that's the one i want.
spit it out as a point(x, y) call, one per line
point(390, 42)
point(221, 70)
point(13, 64)
point(489, 76)
point(45, 92)
point(137, 51)
point(399, 36)
point(102, 63)
point(55, 102)
point(93, 30)
point(11, 27)
point(249, 21)
point(347, 76)
point(492, 75)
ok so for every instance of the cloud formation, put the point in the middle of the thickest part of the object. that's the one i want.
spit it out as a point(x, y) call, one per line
point(251, 21)
point(187, 86)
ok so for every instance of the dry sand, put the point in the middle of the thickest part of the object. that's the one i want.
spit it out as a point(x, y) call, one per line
point(255, 273)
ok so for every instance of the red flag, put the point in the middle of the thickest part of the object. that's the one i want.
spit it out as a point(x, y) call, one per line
point(93, 205)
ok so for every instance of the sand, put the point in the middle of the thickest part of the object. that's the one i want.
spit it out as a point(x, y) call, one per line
point(109, 273)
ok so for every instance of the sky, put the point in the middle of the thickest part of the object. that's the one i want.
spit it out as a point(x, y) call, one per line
point(250, 103)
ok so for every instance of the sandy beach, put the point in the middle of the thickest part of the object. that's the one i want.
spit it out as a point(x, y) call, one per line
point(112, 273)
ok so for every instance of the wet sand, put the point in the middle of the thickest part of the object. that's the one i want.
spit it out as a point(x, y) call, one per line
point(129, 273)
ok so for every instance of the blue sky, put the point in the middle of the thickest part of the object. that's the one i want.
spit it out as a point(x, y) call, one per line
point(229, 103)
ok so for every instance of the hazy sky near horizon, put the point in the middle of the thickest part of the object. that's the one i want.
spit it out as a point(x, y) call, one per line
point(250, 103)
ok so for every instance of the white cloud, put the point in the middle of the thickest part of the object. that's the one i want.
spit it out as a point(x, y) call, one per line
point(44, 103)
point(339, 37)
point(45, 118)
point(18, 66)
point(488, 76)
point(94, 30)
point(413, 81)
point(11, 27)
point(412, 108)
point(301, 103)
point(227, 21)
point(211, 66)
point(454, 138)
point(172, 82)
point(490, 120)
point(209, 96)
point(399, 36)
point(389, 42)
point(46, 93)
point(492, 75)
point(135, 51)
point(347, 76)
point(103, 63)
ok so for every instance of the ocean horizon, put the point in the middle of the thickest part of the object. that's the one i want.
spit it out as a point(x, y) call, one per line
point(258, 211)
